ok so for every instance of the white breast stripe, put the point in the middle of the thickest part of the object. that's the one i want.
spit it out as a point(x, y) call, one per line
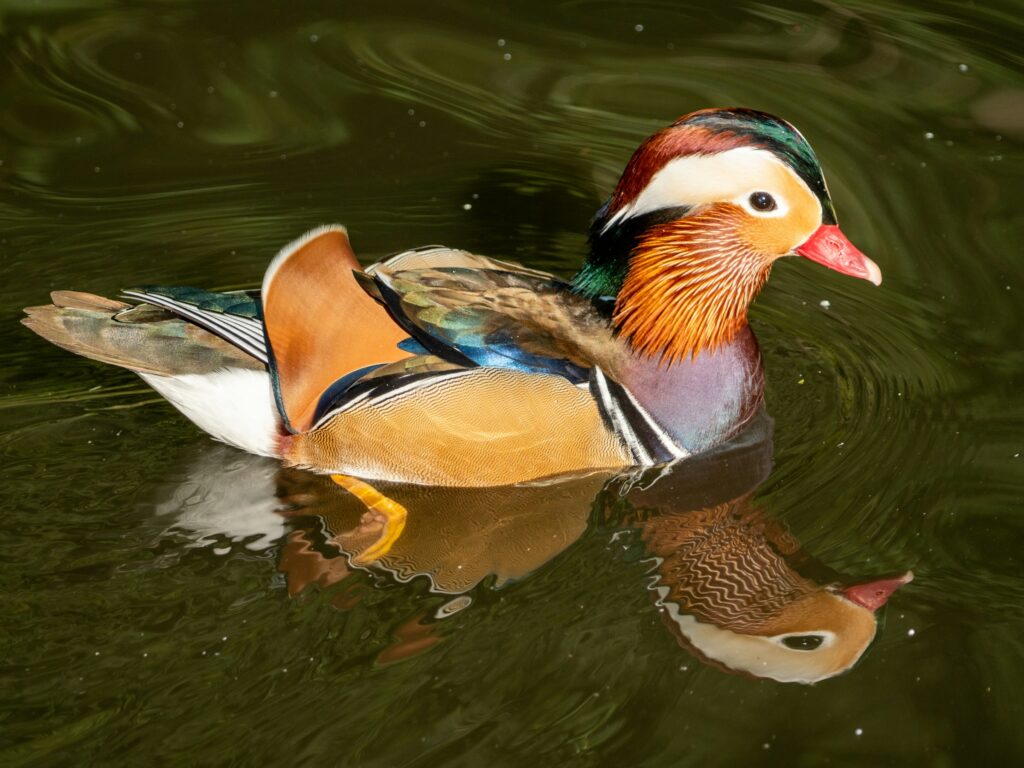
point(667, 442)
point(621, 424)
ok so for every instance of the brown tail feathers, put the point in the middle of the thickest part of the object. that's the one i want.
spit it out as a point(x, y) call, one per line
point(143, 339)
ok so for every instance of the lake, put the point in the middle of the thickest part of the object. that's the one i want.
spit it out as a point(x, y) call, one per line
point(170, 600)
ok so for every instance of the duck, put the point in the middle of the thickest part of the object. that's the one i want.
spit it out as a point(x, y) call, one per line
point(440, 367)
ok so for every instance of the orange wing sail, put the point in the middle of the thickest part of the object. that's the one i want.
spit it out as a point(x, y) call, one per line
point(320, 324)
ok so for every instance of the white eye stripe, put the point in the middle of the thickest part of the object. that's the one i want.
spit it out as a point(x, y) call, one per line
point(703, 179)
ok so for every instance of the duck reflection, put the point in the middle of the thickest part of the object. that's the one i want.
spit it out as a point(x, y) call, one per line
point(455, 537)
point(733, 585)
point(736, 589)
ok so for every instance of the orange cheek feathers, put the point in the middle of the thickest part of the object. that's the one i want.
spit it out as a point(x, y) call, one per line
point(689, 284)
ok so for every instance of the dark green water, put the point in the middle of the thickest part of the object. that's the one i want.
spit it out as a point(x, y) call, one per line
point(159, 604)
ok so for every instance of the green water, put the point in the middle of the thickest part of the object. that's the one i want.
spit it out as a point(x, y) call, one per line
point(170, 601)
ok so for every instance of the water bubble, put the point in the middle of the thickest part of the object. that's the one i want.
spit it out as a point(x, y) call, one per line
point(467, 206)
point(314, 38)
point(501, 42)
point(824, 303)
point(507, 57)
point(911, 632)
point(273, 94)
point(929, 135)
point(638, 28)
point(181, 124)
point(858, 731)
point(423, 123)
point(962, 67)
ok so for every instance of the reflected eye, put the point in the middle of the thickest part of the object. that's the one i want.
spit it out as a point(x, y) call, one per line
point(762, 201)
point(802, 642)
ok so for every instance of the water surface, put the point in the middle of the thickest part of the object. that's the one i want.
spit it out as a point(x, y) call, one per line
point(167, 597)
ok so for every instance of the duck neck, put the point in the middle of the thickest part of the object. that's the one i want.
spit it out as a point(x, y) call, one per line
point(610, 245)
point(705, 401)
point(681, 283)
point(681, 289)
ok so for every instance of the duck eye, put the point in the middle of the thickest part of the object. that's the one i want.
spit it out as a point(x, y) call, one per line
point(802, 642)
point(762, 201)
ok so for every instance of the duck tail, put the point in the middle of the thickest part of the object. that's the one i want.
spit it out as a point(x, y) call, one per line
point(142, 338)
point(220, 388)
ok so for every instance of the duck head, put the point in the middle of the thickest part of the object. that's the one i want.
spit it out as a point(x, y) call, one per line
point(702, 211)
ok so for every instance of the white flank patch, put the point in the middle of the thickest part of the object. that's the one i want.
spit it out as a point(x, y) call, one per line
point(234, 405)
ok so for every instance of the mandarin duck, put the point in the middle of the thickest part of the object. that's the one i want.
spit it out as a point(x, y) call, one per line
point(440, 367)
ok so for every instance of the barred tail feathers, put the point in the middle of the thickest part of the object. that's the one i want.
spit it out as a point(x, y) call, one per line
point(224, 391)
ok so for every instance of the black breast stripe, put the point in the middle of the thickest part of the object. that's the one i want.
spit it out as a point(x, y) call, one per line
point(648, 443)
